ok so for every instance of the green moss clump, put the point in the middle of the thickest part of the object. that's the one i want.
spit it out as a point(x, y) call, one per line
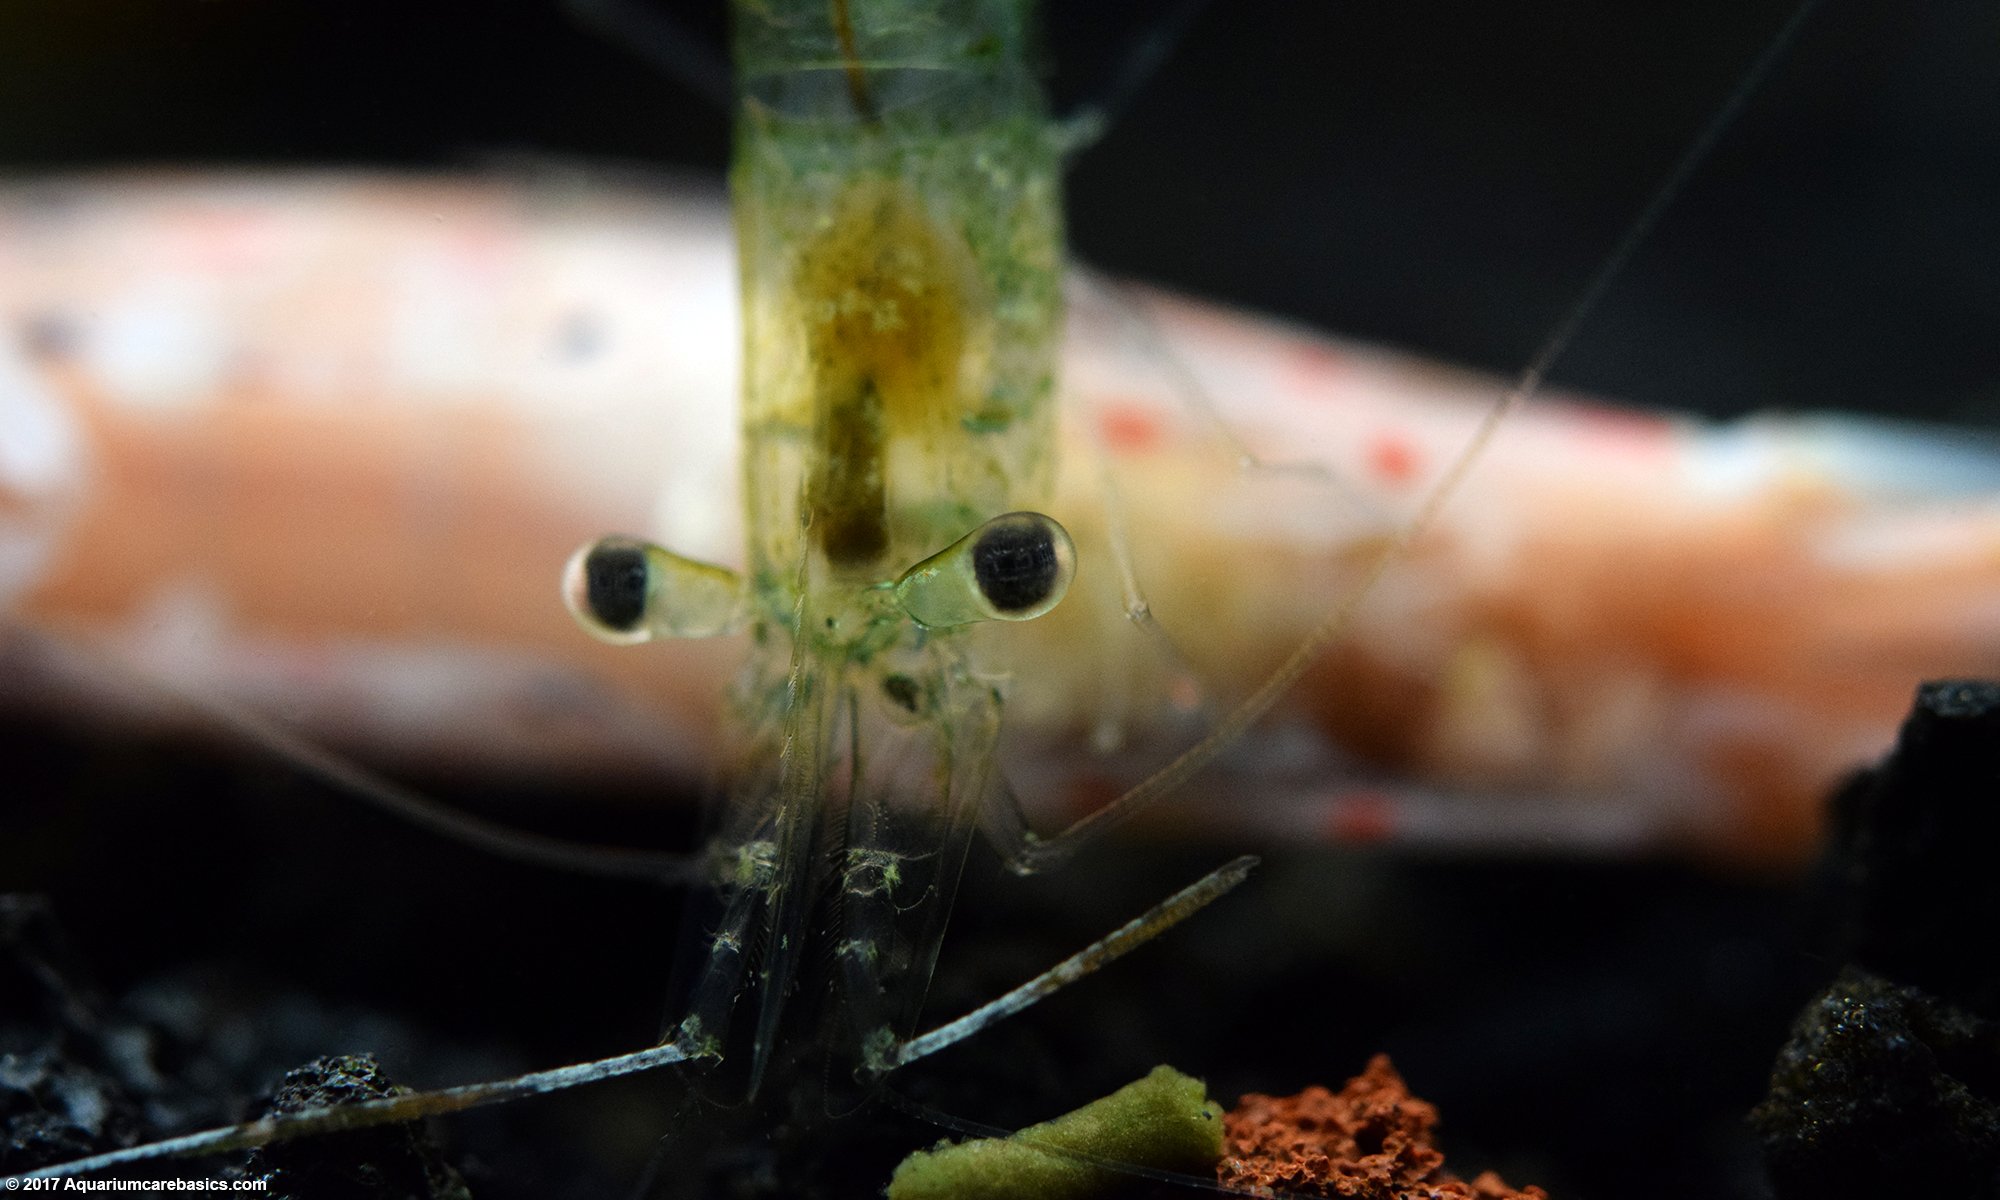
point(1165, 1121)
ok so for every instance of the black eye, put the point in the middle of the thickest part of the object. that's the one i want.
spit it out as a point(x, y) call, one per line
point(623, 591)
point(1016, 564)
point(615, 584)
point(1013, 568)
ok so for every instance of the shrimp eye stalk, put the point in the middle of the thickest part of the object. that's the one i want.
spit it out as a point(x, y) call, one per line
point(1015, 567)
point(622, 590)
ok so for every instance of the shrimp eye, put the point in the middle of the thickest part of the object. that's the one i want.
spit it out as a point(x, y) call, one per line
point(623, 590)
point(1012, 568)
point(1016, 563)
point(615, 585)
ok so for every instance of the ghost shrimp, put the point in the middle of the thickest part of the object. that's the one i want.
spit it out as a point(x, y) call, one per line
point(898, 222)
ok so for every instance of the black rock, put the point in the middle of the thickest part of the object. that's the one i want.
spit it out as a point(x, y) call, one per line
point(1890, 1084)
point(1915, 843)
point(390, 1162)
point(66, 1087)
point(1884, 1091)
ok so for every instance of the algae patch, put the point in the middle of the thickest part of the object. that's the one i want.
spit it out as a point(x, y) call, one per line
point(1165, 1121)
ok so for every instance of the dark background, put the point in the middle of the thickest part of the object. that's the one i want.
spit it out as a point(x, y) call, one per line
point(1438, 175)
point(1443, 174)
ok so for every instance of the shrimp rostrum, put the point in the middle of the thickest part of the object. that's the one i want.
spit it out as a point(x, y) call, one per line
point(897, 208)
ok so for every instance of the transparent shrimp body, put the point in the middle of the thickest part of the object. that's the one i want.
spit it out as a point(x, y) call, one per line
point(900, 250)
point(896, 196)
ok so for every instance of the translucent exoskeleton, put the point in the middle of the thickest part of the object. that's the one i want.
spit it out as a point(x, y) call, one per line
point(899, 217)
point(897, 202)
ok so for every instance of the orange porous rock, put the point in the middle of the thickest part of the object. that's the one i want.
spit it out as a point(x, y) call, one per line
point(1372, 1140)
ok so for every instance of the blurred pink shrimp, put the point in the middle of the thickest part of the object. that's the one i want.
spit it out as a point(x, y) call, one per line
point(317, 443)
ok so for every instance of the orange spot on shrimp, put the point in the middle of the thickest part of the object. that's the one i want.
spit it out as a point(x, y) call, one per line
point(1127, 429)
point(1392, 458)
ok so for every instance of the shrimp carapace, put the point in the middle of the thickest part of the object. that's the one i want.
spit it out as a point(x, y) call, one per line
point(901, 271)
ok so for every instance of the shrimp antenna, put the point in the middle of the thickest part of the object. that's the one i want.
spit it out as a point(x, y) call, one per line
point(1036, 854)
point(390, 1110)
point(415, 1105)
point(1094, 957)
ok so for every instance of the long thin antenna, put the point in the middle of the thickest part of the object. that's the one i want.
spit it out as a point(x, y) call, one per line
point(1106, 950)
point(390, 1110)
point(1044, 853)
